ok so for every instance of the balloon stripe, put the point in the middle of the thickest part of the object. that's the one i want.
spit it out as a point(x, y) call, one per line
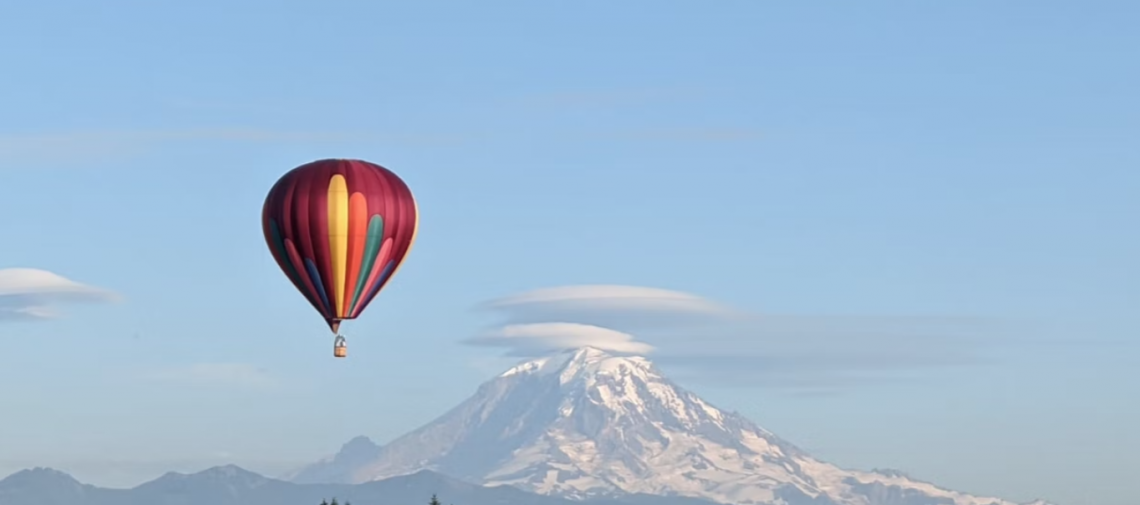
point(383, 278)
point(415, 218)
point(377, 271)
point(389, 271)
point(338, 238)
point(319, 234)
point(310, 290)
point(389, 203)
point(302, 231)
point(282, 255)
point(357, 238)
point(371, 251)
point(316, 276)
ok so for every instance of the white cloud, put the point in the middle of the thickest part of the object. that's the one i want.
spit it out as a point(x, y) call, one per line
point(217, 374)
point(82, 147)
point(703, 339)
point(542, 338)
point(29, 293)
point(627, 308)
point(615, 296)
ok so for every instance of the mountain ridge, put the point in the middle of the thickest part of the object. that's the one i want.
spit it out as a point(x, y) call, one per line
point(233, 485)
point(586, 424)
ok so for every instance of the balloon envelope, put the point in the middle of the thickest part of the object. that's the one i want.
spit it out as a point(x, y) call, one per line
point(339, 229)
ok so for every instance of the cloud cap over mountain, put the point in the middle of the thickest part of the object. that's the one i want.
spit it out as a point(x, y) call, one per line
point(624, 307)
point(705, 340)
point(536, 339)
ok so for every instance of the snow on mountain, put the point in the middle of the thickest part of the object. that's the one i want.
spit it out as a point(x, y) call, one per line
point(585, 424)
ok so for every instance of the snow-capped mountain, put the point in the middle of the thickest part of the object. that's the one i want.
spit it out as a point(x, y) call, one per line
point(585, 423)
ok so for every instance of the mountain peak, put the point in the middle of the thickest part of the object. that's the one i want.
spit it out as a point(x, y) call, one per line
point(580, 363)
point(588, 352)
point(356, 452)
point(579, 423)
point(228, 472)
point(221, 473)
point(359, 444)
point(228, 479)
point(40, 475)
point(586, 422)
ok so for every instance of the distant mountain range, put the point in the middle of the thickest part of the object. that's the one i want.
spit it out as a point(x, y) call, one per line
point(578, 427)
point(231, 485)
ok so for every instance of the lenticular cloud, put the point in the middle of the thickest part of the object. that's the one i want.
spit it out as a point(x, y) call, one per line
point(541, 338)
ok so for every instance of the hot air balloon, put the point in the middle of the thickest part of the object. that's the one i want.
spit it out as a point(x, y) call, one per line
point(339, 229)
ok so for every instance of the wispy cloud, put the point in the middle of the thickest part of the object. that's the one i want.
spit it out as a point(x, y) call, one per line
point(15, 142)
point(628, 308)
point(703, 339)
point(217, 374)
point(86, 147)
point(29, 293)
point(83, 145)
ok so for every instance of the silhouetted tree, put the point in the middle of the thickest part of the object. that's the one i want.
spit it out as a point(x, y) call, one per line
point(326, 502)
point(434, 500)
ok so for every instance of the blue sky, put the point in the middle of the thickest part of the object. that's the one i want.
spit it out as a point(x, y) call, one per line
point(967, 171)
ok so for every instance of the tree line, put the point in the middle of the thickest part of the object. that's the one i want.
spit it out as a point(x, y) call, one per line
point(434, 501)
